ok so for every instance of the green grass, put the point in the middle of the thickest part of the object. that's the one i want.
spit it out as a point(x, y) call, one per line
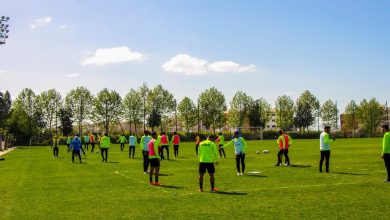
point(34, 185)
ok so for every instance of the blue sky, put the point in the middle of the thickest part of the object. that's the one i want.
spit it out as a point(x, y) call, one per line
point(338, 50)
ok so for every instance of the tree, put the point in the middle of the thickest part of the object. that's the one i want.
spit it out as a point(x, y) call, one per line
point(238, 109)
point(143, 92)
point(349, 118)
point(369, 115)
point(106, 107)
point(306, 110)
point(284, 107)
point(187, 113)
point(79, 101)
point(212, 107)
point(161, 103)
point(5, 107)
point(259, 113)
point(26, 110)
point(329, 113)
point(50, 103)
point(132, 108)
point(66, 123)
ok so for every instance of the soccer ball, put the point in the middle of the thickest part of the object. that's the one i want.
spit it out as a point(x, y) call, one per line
point(266, 151)
point(257, 152)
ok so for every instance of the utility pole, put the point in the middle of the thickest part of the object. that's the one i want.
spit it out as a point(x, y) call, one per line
point(176, 114)
point(144, 114)
point(198, 117)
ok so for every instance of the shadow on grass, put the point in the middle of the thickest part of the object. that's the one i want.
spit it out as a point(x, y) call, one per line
point(231, 193)
point(162, 174)
point(112, 162)
point(300, 166)
point(353, 174)
point(172, 187)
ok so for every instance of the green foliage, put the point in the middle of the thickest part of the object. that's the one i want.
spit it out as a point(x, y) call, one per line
point(132, 108)
point(107, 105)
point(50, 103)
point(187, 113)
point(369, 115)
point(329, 114)
point(5, 107)
point(284, 107)
point(66, 126)
point(259, 113)
point(306, 110)
point(239, 107)
point(350, 122)
point(212, 107)
point(79, 101)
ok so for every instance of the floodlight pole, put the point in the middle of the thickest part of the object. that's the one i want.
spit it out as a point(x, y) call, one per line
point(176, 114)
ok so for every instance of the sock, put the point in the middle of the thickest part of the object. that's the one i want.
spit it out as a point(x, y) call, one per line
point(200, 185)
point(151, 179)
point(156, 178)
point(212, 185)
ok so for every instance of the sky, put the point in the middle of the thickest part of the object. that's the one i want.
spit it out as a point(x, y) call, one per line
point(336, 49)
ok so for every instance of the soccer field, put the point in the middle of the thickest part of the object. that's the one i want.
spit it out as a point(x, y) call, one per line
point(35, 185)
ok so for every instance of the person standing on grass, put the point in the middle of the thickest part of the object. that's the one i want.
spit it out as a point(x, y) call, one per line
point(144, 145)
point(68, 142)
point(132, 143)
point(154, 159)
point(163, 139)
point(92, 141)
point(176, 142)
point(86, 141)
point(386, 150)
point(239, 150)
point(284, 141)
point(207, 155)
point(76, 145)
point(325, 148)
point(197, 142)
point(122, 141)
point(221, 141)
point(104, 146)
point(56, 143)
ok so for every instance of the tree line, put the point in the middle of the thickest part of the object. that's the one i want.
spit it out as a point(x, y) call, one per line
point(30, 115)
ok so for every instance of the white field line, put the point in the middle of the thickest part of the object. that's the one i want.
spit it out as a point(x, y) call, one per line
point(282, 187)
point(136, 180)
point(7, 151)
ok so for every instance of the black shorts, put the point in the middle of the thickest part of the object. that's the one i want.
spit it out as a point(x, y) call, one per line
point(154, 162)
point(206, 166)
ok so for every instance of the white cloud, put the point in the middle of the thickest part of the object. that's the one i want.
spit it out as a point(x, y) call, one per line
point(183, 63)
point(104, 56)
point(2, 72)
point(67, 27)
point(40, 22)
point(73, 75)
point(229, 66)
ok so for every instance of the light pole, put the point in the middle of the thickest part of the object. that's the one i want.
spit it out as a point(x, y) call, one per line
point(3, 29)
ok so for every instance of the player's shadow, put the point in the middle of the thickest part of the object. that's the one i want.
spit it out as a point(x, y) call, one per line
point(162, 174)
point(231, 193)
point(353, 174)
point(112, 162)
point(172, 187)
point(300, 166)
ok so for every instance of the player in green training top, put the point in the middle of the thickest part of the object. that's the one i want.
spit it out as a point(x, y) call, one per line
point(208, 155)
point(104, 146)
point(221, 141)
point(325, 148)
point(122, 140)
point(386, 150)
